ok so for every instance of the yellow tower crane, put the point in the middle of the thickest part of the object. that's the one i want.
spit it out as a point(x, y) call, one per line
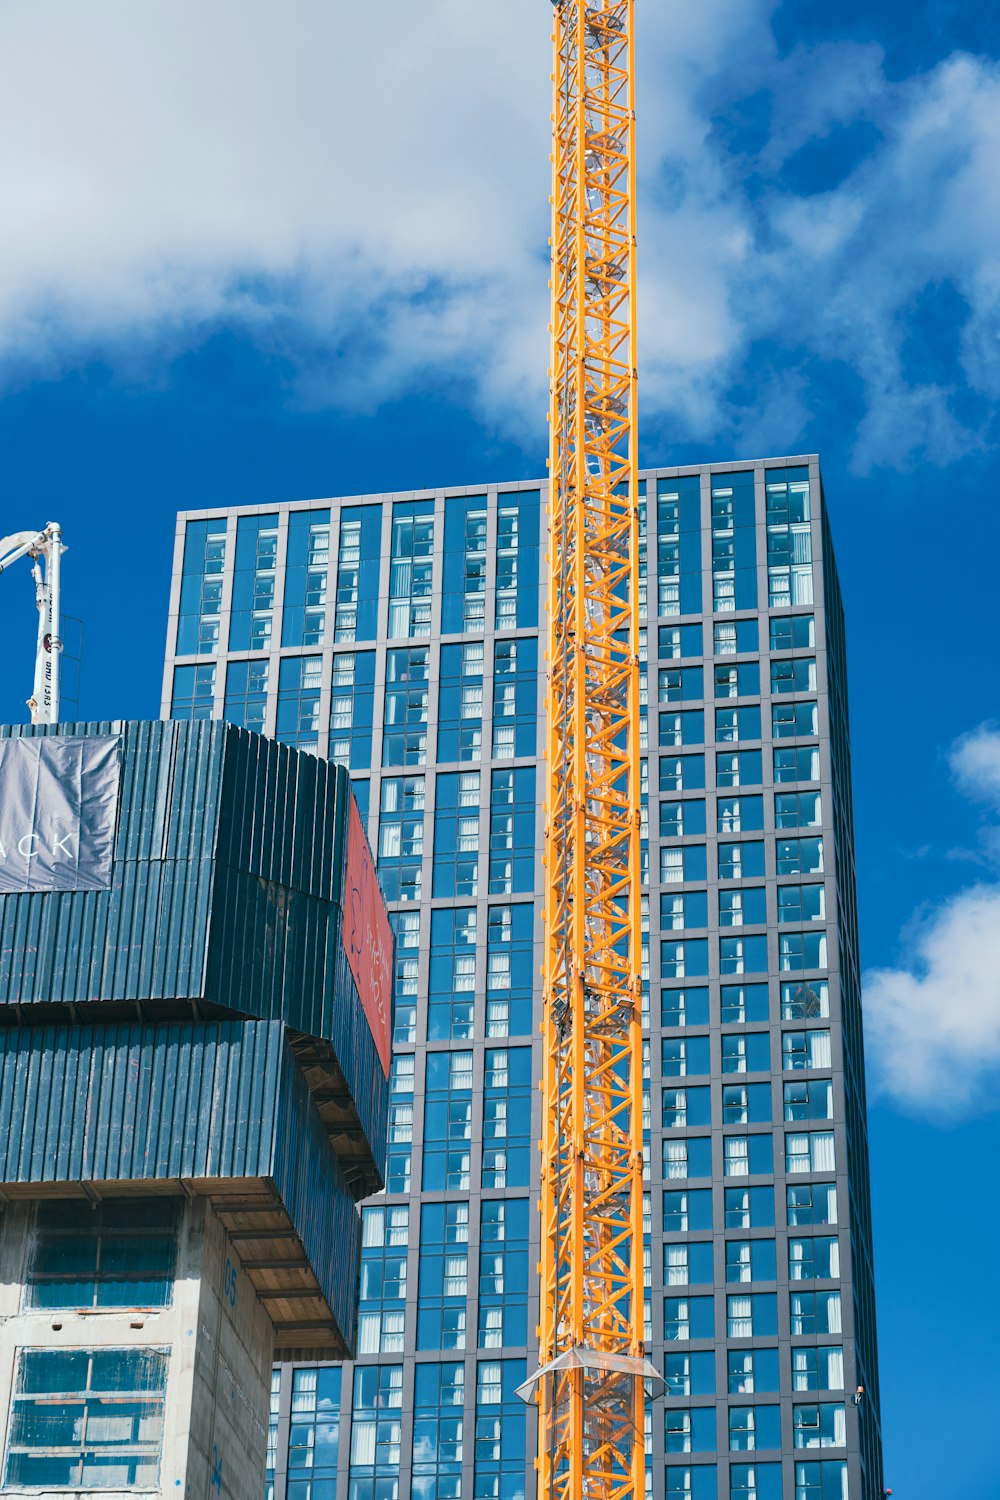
point(590, 1387)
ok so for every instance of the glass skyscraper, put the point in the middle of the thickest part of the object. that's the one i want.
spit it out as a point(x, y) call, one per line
point(403, 636)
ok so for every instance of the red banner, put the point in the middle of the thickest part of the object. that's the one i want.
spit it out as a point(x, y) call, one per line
point(368, 937)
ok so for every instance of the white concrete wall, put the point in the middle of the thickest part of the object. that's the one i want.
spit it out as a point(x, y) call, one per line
point(220, 1342)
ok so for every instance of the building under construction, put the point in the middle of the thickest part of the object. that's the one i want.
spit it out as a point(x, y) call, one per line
point(400, 636)
point(193, 1094)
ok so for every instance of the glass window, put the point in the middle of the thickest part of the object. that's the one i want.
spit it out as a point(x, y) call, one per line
point(690, 1430)
point(688, 1158)
point(686, 1007)
point(742, 1004)
point(682, 773)
point(687, 1209)
point(792, 632)
point(743, 955)
point(299, 688)
point(749, 1208)
point(805, 1000)
point(821, 1481)
point(303, 620)
point(801, 1050)
point(687, 1318)
point(811, 1203)
point(796, 675)
point(798, 810)
point(755, 1482)
point(358, 564)
point(801, 903)
point(819, 1369)
point(752, 1427)
point(800, 856)
point(246, 695)
point(809, 1151)
point(194, 692)
point(793, 720)
point(119, 1253)
point(733, 725)
point(801, 950)
point(814, 1312)
point(411, 570)
point(816, 1258)
point(796, 763)
point(201, 587)
point(87, 1419)
point(753, 1372)
point(741, 861)
point(822, 1425)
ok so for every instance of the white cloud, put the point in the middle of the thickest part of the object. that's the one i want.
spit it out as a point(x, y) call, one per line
point(933, 1027)
point(975, 764)
point(933, 1024)
point(372, 180)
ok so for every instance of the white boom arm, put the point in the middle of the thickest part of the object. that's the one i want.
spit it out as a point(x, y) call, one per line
point(47, 544)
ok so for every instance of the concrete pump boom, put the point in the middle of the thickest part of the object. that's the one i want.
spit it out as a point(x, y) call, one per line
point(591, 1385)
point(44, 545)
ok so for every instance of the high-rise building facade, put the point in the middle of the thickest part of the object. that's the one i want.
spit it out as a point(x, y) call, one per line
point(403, 636)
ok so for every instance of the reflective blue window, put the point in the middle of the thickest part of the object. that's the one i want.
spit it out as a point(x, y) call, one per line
point(411, 569)
point(254, 583)
point(314, 1433)
point(460, 703)
point(685, 862)
point(685, 1056)
point(463, 579)
point(352, 701)
point(451, 992)
point(507, 1117)
point(690, 1374)
point(685, 909)
point(684, 1007)
point(303, 620)
point(299, 686)
point(515, 698)
point(517, 561)
point(201, 588)
point(246, 693)
point(401, 838)
point(512, 832)
point(686, 727)
point(384, 1233)
point(682, 773)
point(376, 1429)
point(734, 545)
point(690, 1430)
point(733, 725)
point(503, 1273)
point(689, 1157)
point(509, 963)
point(686, 1209)
point(686, 1318)
point(406, 928)
point(358, 558)
point(194, 692)
point(444, 1275)
point(404, 737)
point(678, 550)
point(448, 1122)
point(678, 641)
point(741, 862)
point(438, 1438)
point(456, 834)
point(501, 1430)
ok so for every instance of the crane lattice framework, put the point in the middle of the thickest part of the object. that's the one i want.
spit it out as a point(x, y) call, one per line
point(590, 1386)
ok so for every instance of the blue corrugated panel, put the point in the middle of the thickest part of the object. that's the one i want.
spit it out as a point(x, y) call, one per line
point(175, 1101)
point(226, 889)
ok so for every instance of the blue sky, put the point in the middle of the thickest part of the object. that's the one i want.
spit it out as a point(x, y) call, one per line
point(254, 253)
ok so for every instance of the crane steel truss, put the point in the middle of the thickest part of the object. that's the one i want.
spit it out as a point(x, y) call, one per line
point(590, 1386)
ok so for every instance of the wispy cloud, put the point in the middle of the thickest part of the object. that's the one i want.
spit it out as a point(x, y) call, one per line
point(364, 189)
point(933, 1023)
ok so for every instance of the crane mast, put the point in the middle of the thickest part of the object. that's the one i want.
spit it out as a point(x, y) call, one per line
point(590, 1387)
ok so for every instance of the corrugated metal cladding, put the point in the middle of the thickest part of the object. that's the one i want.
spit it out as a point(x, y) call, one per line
point(177, 1101)
point(226, 889)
